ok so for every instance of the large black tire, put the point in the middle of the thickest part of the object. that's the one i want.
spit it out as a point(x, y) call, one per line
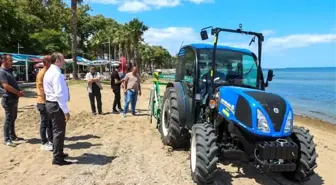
point(306, 162)
point(203, 153)
point(173, 133)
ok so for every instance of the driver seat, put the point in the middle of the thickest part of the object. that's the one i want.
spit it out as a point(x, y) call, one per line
point(233, 77)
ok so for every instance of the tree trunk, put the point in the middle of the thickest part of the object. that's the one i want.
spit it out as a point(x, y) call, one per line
point(136, 53)
point(120, 50)
point(74, 38)
point(115, 53)
point(128, 51)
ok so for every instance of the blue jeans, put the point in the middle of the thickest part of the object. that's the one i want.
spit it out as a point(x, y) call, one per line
point(125, 96)
point(131, 97)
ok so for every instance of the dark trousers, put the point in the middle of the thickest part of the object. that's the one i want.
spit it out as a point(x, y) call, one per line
point(46, 124)
point(92, 96)
point(57, 118)
point(117, 98)
point(11, 107)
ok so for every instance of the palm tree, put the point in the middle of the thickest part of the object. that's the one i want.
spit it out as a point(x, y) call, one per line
point(137, 29)
point(128, 41)
point(74, 4)
point(97, 41)
point(120, 38)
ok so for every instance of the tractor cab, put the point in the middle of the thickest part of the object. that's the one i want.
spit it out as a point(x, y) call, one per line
point(205, 67)
point(233, 67)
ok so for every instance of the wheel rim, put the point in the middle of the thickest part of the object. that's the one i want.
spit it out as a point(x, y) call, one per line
point(193, 153)
point(165, 118)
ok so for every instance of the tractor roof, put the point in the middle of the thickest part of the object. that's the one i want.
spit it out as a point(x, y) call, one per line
point(204, 46)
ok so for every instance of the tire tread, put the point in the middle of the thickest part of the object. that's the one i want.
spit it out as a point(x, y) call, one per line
point(307, 155)
point(206, 154)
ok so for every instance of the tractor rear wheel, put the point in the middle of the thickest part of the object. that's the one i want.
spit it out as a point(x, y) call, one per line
point(306, 162)
point(172, 132)
point(203, 153)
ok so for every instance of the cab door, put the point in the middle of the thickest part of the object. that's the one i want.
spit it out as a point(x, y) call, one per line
point(189, 74)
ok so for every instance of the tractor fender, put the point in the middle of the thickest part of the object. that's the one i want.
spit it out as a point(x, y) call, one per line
point(182, 102)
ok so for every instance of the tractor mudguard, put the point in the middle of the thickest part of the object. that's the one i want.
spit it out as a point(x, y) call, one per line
point(184, 106)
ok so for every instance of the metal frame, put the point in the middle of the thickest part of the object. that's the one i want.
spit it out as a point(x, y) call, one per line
point(155, 98)
point(216, 31)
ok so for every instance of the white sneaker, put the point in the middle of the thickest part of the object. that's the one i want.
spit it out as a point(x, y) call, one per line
point(47, 147)
point(10, 143)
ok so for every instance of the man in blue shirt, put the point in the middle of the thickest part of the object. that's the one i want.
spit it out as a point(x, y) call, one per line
point(10, 99)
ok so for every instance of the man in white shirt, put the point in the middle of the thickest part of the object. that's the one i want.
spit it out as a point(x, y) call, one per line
point(57, 95)
point(94, 87)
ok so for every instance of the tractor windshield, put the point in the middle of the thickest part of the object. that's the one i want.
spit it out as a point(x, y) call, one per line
point(232, 67)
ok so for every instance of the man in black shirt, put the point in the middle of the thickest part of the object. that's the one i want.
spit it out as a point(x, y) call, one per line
point(10, 99)
point(115, 85)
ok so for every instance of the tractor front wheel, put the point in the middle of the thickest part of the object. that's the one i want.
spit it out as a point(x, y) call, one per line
point(306, 162)
point(172, 132)
point(203, 153)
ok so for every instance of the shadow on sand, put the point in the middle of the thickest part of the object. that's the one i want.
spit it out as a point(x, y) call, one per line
point(94, 159)
point(142, 114)
point(34, 141)
point(83, 137)
point(80, 145)
point(72, 138)
point(246, 170)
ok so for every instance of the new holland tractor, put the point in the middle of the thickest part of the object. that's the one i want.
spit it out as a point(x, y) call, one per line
point(217, 105)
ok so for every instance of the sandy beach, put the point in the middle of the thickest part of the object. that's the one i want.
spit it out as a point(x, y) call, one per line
point(109, 150)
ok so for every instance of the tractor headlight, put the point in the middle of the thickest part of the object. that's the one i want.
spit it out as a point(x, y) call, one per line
point(262, 122)
point(289, 122)
point(213, 102)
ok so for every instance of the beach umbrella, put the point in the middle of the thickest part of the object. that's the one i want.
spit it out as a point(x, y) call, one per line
point(37, 60)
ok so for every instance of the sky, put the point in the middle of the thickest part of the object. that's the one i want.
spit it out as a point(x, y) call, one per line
point(298, 33)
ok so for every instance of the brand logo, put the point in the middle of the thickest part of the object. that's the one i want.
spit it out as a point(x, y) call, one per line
point(228, 105)
point(275, 110)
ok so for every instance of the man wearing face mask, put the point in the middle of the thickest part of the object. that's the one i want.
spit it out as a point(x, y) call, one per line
point(94, 87)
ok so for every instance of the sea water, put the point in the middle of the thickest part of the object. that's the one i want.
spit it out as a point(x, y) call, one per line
point(310, 91)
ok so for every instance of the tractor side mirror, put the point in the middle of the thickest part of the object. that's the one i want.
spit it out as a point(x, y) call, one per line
point(270, 75)
point(204, 35)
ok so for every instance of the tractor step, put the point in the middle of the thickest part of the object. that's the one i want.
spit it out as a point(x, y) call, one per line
point(233, 155)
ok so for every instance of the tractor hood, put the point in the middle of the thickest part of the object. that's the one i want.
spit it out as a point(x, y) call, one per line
point(260, 112)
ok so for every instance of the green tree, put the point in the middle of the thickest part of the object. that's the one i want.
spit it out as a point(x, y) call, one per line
point(74, 4)
point(45, 26)
point(137, 29)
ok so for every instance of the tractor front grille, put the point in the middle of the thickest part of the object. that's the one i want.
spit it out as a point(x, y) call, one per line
point(270, 103)
point(243, 111)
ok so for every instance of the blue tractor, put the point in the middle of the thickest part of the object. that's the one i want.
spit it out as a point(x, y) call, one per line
point(217, 105)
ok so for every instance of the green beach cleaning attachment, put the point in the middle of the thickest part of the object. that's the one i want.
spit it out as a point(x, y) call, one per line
point(160, 80)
